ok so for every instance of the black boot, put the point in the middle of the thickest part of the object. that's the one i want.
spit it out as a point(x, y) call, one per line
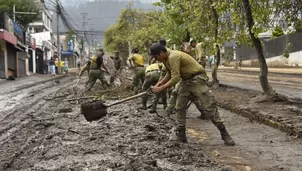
point(154, 106)
point(225, 135)
point(165, 105)
point(181, 134)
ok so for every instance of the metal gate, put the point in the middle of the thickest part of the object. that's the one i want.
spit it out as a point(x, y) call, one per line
point(21, 63)
point(2, 64)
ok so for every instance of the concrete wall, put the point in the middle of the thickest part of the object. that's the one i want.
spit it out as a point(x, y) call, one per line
point(294, 60)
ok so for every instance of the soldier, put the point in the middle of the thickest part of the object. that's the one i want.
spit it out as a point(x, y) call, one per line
point(117, 61)
point(201, 59)
point(86, 67)
point(152, 75)
point(95, 70)
point(139, 69)
point(182, 67)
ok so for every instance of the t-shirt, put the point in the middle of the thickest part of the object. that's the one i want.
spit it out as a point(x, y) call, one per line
point(137, 59)
point(66, 63)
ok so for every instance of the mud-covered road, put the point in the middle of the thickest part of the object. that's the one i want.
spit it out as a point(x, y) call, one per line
point(39, 130)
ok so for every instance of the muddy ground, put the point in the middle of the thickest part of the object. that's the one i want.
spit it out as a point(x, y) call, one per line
point(44, 132)
point(40, 129)
point(285, 115)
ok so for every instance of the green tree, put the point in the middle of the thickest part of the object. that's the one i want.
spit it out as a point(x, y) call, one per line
point(278, 31)
point(206, 21)
point(138, 27)
point(21, 6)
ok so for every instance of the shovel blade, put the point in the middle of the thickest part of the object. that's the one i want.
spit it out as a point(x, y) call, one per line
point(93, 111)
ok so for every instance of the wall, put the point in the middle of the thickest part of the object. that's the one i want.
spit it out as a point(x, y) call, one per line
point(3, 61)
point(273, 52)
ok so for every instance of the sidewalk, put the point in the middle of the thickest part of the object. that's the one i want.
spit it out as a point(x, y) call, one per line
point(270, 70)
point(28, 81)
point(25, 82)
point(289, 83)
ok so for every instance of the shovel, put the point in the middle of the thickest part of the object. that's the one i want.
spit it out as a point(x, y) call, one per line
point(96, 110)
point(75, 88)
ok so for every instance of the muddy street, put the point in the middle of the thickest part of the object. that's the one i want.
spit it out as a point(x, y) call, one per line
point(259, 147)
point(41, 130)
point(47, 133)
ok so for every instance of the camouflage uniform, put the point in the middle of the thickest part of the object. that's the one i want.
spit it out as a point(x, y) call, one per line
point(86, 67)
point(201, 59)
point(152, 75)
point(95, 73)
point(139, 70)
point(191, 76)
point(172, 100)
point(162, 94)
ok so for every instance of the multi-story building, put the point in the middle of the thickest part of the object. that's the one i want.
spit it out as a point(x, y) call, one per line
point(41, 30)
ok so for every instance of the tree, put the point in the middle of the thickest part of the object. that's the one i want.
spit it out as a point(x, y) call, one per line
point(21, 6)
point(278, 31)
point(257, 16)
point(205, 20)
point(138, 27)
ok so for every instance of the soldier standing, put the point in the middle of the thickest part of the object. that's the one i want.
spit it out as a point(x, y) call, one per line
point(96, 72)
point(201, 59)
point(182, 67)
point(137, 62)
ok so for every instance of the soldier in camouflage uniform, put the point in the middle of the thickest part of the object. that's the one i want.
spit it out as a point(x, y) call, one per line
point(199, 53)
point(152, 76)
point(137, 62)
point(96, 72)
point(182, 68)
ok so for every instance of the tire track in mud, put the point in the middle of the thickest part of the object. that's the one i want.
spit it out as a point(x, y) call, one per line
point(20, 116)
point(23, 132)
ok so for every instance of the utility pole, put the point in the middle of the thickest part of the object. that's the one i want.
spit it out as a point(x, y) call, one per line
point(84, 15)
point(58, 38)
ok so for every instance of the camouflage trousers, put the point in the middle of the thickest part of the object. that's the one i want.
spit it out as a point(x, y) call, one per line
point(203, 62)
point(151, 78)
point(196, 90)
point(173, 97)
point(139, 75)
point(93, 76)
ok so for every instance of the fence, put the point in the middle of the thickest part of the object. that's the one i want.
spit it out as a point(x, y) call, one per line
point(273, 48)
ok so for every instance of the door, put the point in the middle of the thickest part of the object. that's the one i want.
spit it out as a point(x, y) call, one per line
point(30, 61)
point(2, 64)
point(21, 63)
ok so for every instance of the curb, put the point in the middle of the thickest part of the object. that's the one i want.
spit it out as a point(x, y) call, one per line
point(267, 120)
point(259, 117)
point(36, 83)
point(255, 72)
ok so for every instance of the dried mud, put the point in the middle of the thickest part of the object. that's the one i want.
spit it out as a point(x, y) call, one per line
point(286, 116)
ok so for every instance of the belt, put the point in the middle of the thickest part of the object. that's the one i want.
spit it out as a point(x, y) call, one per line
point(153, 70)
point(193, 75)
point(139, 66)
point(94, 69)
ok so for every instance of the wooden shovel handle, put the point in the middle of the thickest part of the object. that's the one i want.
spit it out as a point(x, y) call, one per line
point(128, 98)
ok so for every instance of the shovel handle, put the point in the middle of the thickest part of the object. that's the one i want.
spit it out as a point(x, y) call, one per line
point(128, 98)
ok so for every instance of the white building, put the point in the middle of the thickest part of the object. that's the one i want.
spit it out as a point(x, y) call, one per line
point(41, 30)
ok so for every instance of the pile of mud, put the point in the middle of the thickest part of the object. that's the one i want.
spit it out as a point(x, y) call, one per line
point(126, 139)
